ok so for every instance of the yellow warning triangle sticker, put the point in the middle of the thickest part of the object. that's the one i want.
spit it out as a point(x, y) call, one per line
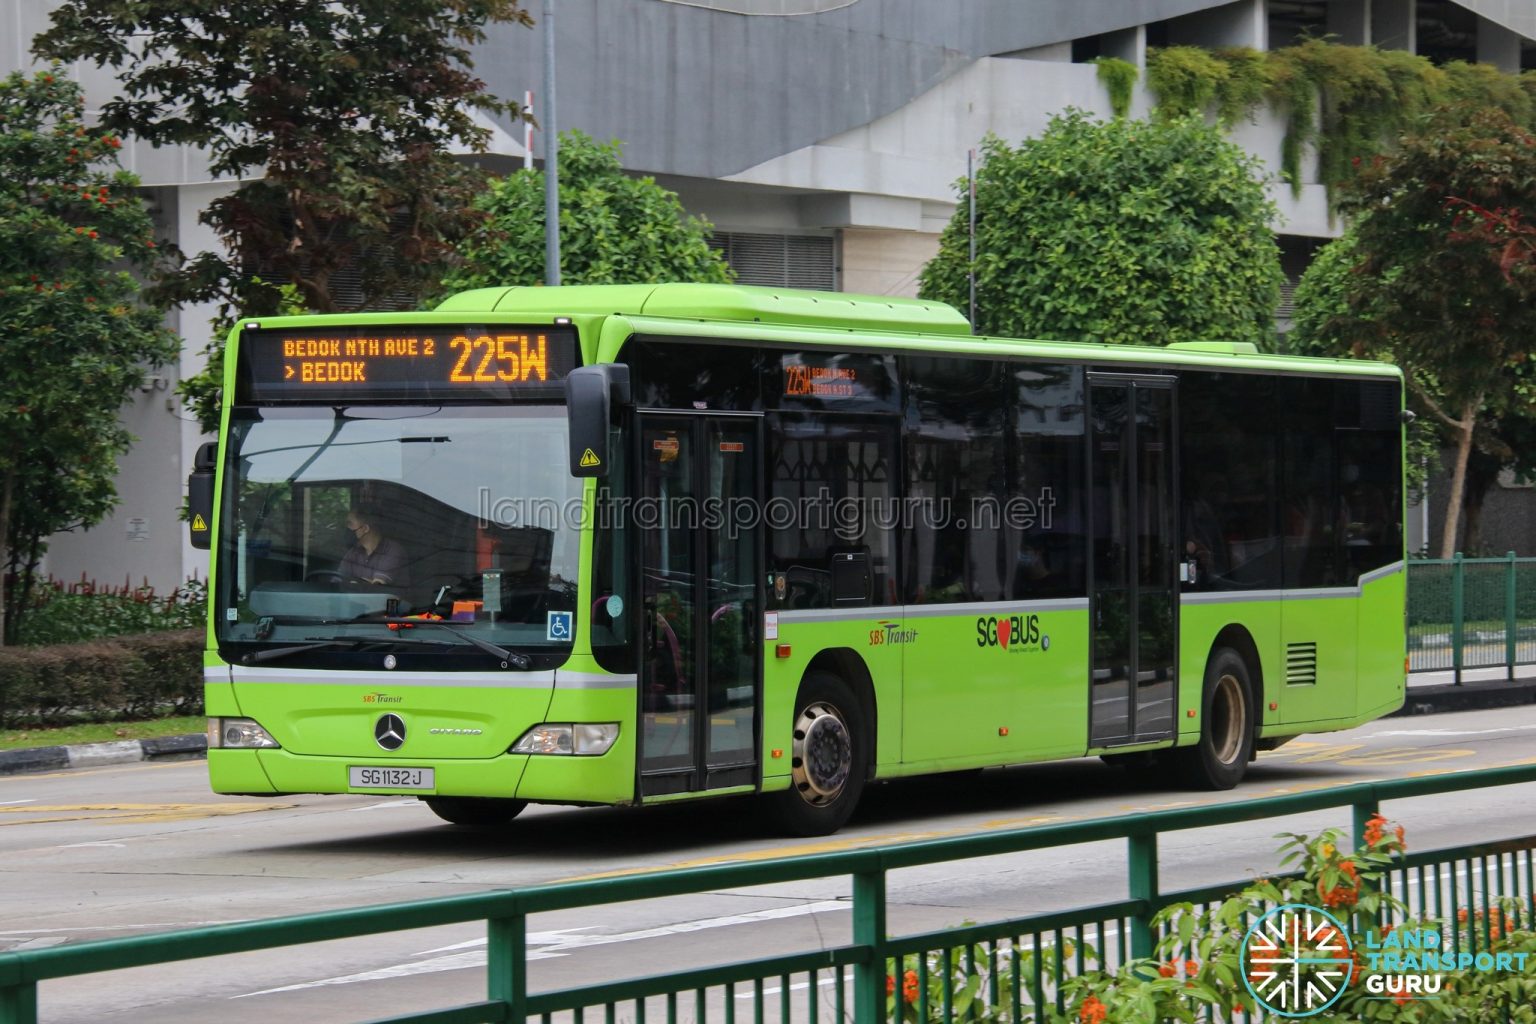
point(199, 524)
point(589, 458)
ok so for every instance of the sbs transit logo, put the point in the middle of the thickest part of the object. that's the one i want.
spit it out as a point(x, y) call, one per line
point(1015, 634)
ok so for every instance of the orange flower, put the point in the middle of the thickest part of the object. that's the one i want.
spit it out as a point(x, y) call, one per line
point(1373, 829)
point(1167, 970)
point(1401, 841)
point(1461, 915)
point(1191, 967)
point(1402, 1000)
point(1348, 869)
point(1092, 1011)
point(909, 988)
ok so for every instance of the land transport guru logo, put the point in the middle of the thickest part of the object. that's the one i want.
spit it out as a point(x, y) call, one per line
point(1014, 634)
point(1297, 961)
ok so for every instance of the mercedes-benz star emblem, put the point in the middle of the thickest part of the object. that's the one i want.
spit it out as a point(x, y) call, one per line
point(389, 732)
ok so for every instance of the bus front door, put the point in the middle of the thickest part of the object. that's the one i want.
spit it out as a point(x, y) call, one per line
point(1134, 595)
point(700, 579)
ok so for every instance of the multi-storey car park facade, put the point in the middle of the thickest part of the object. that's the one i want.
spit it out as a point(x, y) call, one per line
point(822, 138)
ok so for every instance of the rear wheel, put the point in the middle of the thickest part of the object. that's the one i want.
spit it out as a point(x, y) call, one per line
point(474, 810)
point(1221, 757)
point(829, 758)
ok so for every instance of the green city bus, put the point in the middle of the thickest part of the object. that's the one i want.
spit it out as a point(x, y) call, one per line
point(644, 543)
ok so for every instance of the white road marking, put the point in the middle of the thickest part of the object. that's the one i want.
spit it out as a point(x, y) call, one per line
point(1455, 732)
point(407, 802)
point(554, 944)
point(12, 803)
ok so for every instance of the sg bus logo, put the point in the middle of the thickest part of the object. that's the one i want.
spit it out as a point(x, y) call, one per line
point(1011, 633)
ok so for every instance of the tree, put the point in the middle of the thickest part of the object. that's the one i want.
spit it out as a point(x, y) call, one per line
point(1119, 231)
point(1434, 295)
point(614, 229)
point(342, 118)
point(75, 338)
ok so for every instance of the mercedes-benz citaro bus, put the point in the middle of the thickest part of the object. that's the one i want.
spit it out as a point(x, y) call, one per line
point(649, 543)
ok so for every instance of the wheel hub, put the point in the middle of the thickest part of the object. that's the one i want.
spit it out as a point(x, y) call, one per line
point(823, 754)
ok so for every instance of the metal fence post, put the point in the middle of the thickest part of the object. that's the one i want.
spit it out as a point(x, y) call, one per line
point(506, 969)
point(869, 933)
point(1458, 608)
point(18, 1003)
point(1142, 856)
point(1509, 617)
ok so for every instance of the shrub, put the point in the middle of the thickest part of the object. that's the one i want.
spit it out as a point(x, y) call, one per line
point(60, 613)
point(126, 677)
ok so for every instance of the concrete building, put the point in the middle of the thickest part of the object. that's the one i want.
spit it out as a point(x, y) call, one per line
point(823, 138)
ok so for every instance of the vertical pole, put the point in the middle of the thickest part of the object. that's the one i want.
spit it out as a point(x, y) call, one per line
point(1509, 616)
point(1142, 856)
point(528, 130)
point(506, 969)
point(1458, 605)
point(970, 177)
point(551, 155)
point(18, 1003)
point(869, 934)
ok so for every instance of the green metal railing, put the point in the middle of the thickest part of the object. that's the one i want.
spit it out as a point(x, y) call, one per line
point(1466, 613)
point(1026, 950)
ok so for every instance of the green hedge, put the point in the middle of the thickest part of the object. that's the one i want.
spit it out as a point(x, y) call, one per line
point(124, 677)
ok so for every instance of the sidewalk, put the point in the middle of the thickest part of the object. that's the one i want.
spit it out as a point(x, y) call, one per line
point(91, 755)
point(1434, 692)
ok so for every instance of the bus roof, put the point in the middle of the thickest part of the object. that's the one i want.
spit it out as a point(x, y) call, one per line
point(797, 316)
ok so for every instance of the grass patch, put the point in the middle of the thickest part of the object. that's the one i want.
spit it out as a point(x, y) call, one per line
point(100, 732)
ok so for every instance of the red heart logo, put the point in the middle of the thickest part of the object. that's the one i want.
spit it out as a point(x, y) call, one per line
point(1002, 633)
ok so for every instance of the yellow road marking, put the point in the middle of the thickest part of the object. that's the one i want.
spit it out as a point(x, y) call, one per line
point(118, 813)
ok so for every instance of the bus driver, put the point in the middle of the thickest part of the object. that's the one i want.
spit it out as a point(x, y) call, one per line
point(375, 558)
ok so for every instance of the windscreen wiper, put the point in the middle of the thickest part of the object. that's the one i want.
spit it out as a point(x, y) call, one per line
point(345, 643)
point(513, 658)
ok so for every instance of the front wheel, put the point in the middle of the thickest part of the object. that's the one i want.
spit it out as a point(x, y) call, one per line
point(1221, 757)
point(474, 810)
point(829, 759)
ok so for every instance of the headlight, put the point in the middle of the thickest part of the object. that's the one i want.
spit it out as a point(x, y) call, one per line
point(237, 734)
point(581, 738)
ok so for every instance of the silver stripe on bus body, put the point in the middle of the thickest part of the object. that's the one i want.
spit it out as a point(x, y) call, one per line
point(928, 611)
point(1319, 593)
point(593, 681)
point(1382, 573)
point(488, 680)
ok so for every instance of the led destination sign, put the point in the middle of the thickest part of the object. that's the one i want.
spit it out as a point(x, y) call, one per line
point(427, 361)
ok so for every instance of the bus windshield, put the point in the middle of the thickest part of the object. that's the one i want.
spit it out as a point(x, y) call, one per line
point(342, 521)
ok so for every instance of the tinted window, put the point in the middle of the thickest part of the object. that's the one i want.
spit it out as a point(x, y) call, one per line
point(1228, 451)
point(682, 375)
point(1044, 519)
point(831, 381)
point(957, 481)
point(1342, 473)
point(832, 487)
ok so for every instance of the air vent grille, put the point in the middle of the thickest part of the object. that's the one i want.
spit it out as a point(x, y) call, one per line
point(1301, 664)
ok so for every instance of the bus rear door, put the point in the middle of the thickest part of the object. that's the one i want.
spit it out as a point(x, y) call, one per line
point(1133, 593)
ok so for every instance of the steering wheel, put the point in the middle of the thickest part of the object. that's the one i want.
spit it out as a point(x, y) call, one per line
point(322, 576)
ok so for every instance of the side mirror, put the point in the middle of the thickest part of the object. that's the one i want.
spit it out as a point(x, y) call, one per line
point(590, 392)
point(200, 495)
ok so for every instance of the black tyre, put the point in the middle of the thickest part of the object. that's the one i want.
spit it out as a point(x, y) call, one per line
point(830, 758)
point(1227, 713)
point(474, 810)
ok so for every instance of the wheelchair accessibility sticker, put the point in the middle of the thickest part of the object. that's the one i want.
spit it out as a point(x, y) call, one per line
point(558, 626)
